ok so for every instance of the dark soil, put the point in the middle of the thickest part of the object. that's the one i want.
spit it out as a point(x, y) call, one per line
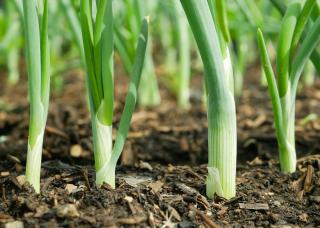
point(161, 175)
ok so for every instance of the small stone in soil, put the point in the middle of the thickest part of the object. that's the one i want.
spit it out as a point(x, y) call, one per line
point(76, 151)
point(15, 224)
point(21, 179)
point(70, 188)
point(68, 210)
point(4, 174)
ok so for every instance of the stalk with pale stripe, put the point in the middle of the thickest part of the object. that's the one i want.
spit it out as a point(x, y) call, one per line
point(37, 50)
point(97, 36)
point(290, 62)
point(222, 136)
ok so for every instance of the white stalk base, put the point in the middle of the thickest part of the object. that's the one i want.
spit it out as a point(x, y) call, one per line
point(103, 151)
point(222, 139)
point(287, 151)
point(33, 166)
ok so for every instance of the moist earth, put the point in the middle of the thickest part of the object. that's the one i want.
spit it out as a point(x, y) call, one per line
point(161, 174)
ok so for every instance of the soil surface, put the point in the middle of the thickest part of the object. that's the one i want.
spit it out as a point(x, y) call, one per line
point(161, 176)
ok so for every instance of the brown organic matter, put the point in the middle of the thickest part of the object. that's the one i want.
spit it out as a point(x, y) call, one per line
point(160, 180)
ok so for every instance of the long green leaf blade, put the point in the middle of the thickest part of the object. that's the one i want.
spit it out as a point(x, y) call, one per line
point(45, 58)
point(272, 86)
point(86, 27)
point(33, 52)
point(284, 46)
point(99, 26)
point(302, 21)
point(315, 56)
point(222, 19)
point(107, 47)
point(311, 41)
point(131, 97)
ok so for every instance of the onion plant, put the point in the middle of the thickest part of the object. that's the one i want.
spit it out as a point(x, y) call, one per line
point(11, 40)
point(126, 34)
point(183, 92)
point(73, 21)
point(309, 74)
point(97, 34)
point(314, 14)
point(290, 60)
point(222, 134)
point(176, 48)
point(246, 16)
point(38, 63)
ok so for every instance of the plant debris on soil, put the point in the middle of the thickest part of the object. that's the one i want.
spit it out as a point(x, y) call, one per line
point(161, 178)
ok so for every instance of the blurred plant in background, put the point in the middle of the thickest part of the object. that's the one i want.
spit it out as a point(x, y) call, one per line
point(11, 40)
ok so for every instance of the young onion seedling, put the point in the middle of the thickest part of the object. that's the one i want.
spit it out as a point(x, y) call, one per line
point(176, 48)
point(125, 41)
point(222, 134)
point(97, 34)
point(290, 61)
point(281, 7)
point(38, 63)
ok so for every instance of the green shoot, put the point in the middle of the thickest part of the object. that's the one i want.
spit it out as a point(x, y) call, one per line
point(222, 135)
point(315, 55)
point(11, 40)
point(125, 41)
point(37, 51)
point(290, 64)
point(97, 35)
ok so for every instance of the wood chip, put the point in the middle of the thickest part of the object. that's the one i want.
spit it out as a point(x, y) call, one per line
point(4, 217)
point(14, 180)
point(308, 180)
point(145, 165)
point(13, 158)
point(186, 189)
point(297, 185)
point(151, 221)
point(129, 199)
point(14, 224)
point(190, 171)
point(21, 179)
point(41, 210)
point(70, 188)
point(257, 122)
point(174, 213)
point(155, 186)
point(256, 161)
point(134, 181)
point(303, 217)
point(184, 145)
point(56, 131)
point(132, 220)
point(254, 206)
point(4, 174)
point(204, 217)
point(222, 212)
point(67, 211)
point(84, 173)
point(315, 199)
